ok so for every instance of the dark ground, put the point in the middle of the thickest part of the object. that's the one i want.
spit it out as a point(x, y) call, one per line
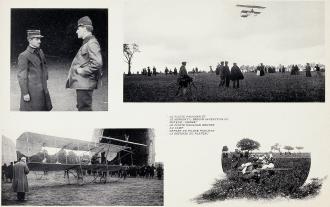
point(273, 87)
point(63, 99)
point(54, 191)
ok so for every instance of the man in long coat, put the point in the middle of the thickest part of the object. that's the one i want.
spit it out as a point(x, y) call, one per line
point(86, 67)
point(184, 79)
point(261, 68)
point(33, 75)
point(236, 75)
point(226, 73)
point(222, 74)
point(20, 183)
point(308, 70)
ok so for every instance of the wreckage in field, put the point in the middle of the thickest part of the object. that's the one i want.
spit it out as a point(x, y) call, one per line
point(77, 157)
point(280, 170)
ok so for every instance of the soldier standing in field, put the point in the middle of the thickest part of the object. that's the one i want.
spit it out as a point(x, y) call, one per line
point(184, 79)
point(86, 67)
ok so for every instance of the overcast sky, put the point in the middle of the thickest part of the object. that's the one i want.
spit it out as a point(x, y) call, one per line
point(205, 32)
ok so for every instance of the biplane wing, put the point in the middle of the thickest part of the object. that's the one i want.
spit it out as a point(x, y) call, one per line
point(37, 166)
point(251, 6)
point(32, 143)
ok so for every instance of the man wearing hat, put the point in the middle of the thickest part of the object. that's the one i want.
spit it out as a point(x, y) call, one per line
point(33, 75)
point(20, 183)
point(183, 80)
point(86, 67)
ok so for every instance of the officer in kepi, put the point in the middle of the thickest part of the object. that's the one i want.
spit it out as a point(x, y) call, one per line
point(32, 76)
point(86, 67)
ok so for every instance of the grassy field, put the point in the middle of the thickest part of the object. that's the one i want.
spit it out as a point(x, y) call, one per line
point(236, 189)
point(54, 191)
point(63, 99)
point(273, 87)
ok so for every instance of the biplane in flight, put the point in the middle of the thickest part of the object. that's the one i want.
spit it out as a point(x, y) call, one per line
point(79, 158)
point(247, 12)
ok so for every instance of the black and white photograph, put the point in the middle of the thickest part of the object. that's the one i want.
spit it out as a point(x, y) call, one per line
point(112, 167)
point(281, 171)
point(59, 60)
point(224, 51)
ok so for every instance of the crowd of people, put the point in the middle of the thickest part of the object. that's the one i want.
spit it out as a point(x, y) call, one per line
point(7, 172)
point(144, 171)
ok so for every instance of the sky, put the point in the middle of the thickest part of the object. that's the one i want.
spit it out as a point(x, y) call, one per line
point(204, 33)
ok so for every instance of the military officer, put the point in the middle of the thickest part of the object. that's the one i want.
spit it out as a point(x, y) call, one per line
point(33, 75)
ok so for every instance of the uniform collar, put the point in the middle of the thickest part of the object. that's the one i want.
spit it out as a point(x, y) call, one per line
point(88, 38)
point(31, 49)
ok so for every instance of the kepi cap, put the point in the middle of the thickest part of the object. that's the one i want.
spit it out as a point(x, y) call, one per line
point(32, 33)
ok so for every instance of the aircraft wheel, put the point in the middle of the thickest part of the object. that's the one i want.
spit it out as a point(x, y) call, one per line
point(103, 179)
point(80, 180)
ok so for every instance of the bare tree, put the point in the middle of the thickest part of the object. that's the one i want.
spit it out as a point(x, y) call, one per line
point(129, 50)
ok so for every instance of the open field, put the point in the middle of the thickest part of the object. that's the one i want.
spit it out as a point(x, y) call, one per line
point(273, 87)
point(54, 191)
point(63, 99)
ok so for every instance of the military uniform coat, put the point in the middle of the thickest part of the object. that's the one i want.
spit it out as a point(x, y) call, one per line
point(32, 78)
point(20, 182)
point(89, 59)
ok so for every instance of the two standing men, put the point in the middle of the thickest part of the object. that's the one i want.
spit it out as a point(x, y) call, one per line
point(85, 70)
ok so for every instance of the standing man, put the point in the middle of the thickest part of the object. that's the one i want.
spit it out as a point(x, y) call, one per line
point(308, 70)
point(86, 67)
point(261, 68)
point(236, 75)
point(226, 72)
point(222, 74)
point(183, 80)
point(33, 75)
point(10, 169)
point(20, 183)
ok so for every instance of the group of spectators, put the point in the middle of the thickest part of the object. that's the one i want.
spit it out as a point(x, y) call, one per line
point(7, 172)
point(147, 71)
point(226, 75)
point(144, 171)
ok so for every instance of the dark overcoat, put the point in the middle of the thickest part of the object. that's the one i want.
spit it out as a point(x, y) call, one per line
point(308, 71)
point(226, 71)
point(236, 73)
point(20, 182)
point(32, 78)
